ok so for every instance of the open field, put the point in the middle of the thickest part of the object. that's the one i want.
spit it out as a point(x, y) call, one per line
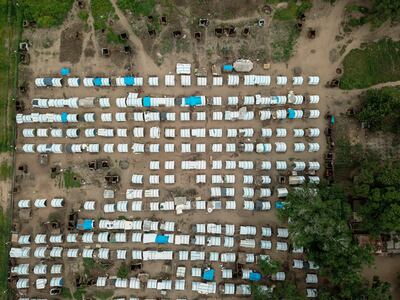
point(128, 186)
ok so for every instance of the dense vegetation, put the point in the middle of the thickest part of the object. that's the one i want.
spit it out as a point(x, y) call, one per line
point(377, 185)
point(380, 109)
point(384, 10)
point(372, 64)
point(318, 222)
point(46, 13)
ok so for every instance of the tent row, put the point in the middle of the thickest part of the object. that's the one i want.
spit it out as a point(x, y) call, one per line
point(280, 147)
point(40, 283)
point(168, 132)
point(138, 206)
point(148, 116)
point(132, 100)
point(170, 81)
point(37, 269)
point(42, 203)
point(296, 165)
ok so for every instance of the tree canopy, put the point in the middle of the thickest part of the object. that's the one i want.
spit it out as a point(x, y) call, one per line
point(319, 223)
point(378, 187)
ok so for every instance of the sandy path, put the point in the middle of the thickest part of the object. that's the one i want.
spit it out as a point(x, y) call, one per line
point(145, 63)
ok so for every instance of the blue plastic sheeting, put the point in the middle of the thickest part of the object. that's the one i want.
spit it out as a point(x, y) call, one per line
point(86, 225)
point(161, 239)
point(193, 100)
point(64, 116)
point(97, 81)
point(146, 101)
point(255, 276)
point(65, 71)
point(209, 275)
point(48, 81)
point(291, 113)
point(129, 80)
point(227, 68)
point(279, 204)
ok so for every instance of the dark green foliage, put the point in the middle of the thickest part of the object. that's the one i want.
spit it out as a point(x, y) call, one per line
point(46, 13)
point(318, 222)
point(384, 10)
point(378, 186)
point(138, 7)
point(380, 109)
point(375, 63)
point(269, 267)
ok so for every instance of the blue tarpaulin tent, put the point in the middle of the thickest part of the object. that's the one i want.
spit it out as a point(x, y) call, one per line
point(279, 204)
point(255, 276)
point(129, 80)
point(209, 274)
point(193, 100)
point(161, 239)
point(65, 71)
point(146, 101)
point(97, 81)
point(227, 68)
point(87, 224)
point(64, 116)
point(291, 113)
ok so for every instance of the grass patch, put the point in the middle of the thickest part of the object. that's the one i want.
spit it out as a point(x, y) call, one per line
point(138, 7)
point(123, 271)
point(83, 15)
point(5, 229)
point(113, 38)
point(90, 265)
point(79, 293)
point(103, 295)
point(66, 293)
point(293, 11)
point(5, 170)
point(10, 30)
point(284, 36)
point(46, 13)
point(102, 11)
point(374, 63)
point(71, 179)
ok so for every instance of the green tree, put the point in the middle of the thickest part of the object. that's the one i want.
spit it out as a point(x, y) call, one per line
point(385, 10)
point(378, 187)
point(268, 266)
point(318, 222)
